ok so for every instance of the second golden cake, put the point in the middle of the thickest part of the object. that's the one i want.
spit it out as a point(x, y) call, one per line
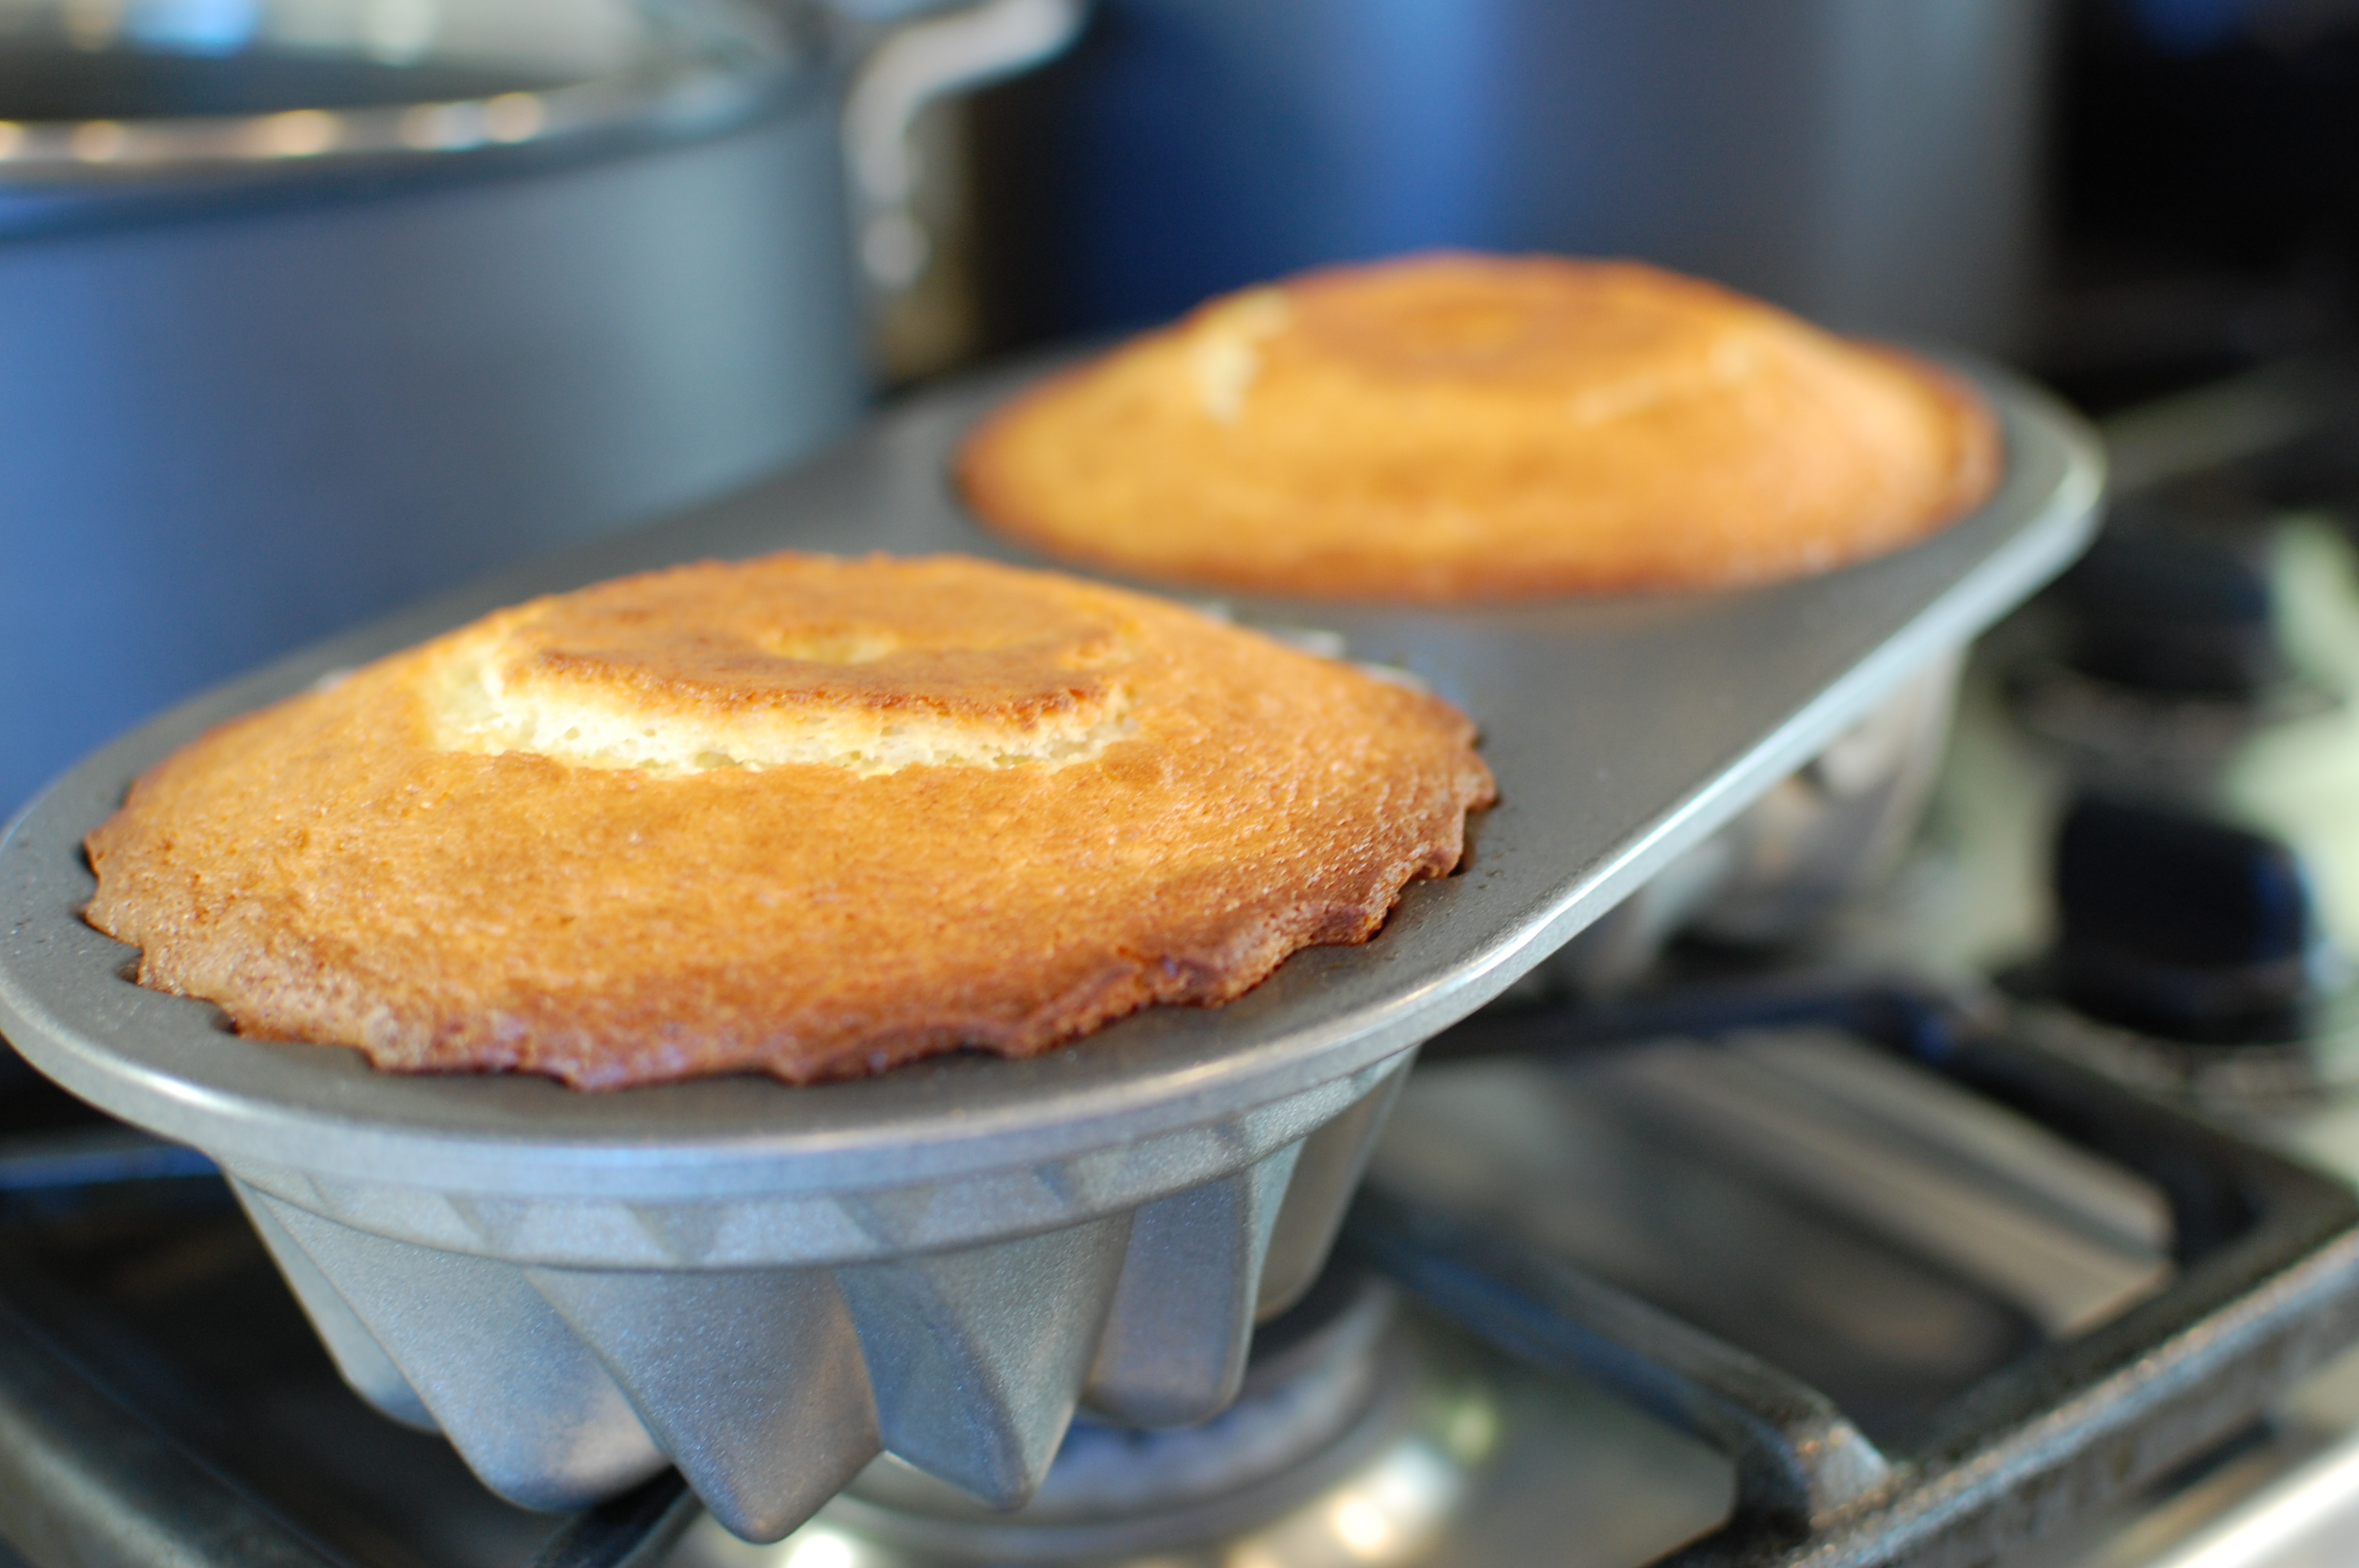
point(1455, 427)
point(804, 815)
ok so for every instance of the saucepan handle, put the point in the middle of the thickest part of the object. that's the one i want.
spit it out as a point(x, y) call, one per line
point(937, 53)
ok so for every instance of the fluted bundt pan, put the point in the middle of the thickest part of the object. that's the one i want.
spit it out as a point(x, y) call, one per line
point(770, 1349)
point(766, 1285)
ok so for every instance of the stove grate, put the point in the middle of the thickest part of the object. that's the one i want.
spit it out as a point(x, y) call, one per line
point(2267, 1285)
point(2267, 1288)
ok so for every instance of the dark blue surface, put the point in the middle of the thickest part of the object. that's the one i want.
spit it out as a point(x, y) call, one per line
point(1863, 162)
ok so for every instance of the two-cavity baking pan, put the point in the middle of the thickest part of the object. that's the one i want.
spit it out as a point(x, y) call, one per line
point(765, 1285)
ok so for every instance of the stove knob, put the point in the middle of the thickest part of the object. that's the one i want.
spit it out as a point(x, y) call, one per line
point(2183, 926)
point(2171, 609)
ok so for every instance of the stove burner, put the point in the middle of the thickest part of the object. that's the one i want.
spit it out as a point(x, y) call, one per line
point(2183, 926)
point(1352, 1440)
point(2166, 608)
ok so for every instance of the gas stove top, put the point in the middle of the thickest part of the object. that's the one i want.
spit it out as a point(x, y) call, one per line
point(1750, 1272)
point(1835, 1254)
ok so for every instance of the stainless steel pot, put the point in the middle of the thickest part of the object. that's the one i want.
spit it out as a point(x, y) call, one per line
point(310, 306)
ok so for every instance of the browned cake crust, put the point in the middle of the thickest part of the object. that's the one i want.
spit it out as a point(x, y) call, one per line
point(803, 815)
point(1455, 428)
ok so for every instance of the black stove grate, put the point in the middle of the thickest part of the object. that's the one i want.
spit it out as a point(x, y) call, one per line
point(2266, 1286)
point(109, 1456)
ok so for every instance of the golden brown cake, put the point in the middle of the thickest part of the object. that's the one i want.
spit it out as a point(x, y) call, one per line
point(809, 816)
point(1455, 427)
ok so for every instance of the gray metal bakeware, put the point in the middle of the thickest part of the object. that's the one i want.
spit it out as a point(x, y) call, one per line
point(766, 1285)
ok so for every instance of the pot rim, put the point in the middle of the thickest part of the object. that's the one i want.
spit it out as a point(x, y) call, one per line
point(695, 69)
